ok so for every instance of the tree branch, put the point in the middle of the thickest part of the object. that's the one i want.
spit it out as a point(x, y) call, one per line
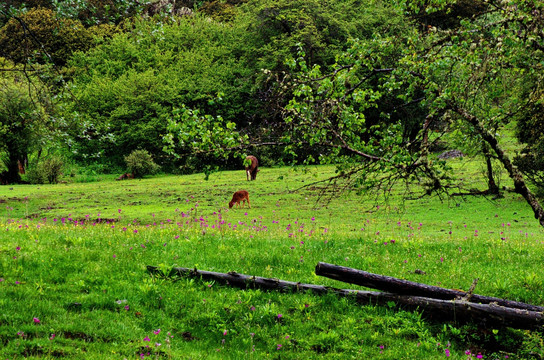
point(519, 182)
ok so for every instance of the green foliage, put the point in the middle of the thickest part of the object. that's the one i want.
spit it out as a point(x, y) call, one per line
point(321, 28)
point(442, 14)
point(191, 134)
point(40, 36)
point(94, 12)
point(27, 3)
point(529, 132)
point(48, 170)
point(127, 88)
point(22, 122)
point(483, 80)
point(140, 163)
point(219, 10)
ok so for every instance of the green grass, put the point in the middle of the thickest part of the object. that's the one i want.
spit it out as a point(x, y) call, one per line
point(86, 282)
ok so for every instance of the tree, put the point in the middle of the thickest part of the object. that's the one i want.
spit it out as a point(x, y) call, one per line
point(22, 125)
point(126, 88)
point(320, 28)
point(478, 74)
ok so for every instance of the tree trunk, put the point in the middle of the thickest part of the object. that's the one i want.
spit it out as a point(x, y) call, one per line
point(398, 286)
point(519, 182)
point(12, 176)
point(492, 187)
point(489, 314)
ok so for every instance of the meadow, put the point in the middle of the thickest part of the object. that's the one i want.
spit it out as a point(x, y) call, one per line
point(73, 279)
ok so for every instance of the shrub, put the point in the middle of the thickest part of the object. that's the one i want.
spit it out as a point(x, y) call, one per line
point(140, 163)
point(46, 171)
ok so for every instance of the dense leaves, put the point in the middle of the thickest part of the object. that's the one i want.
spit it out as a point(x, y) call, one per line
point(127, 88)
point(39, 36)
point(530, 132)
point(22, 124)
point(140, 163)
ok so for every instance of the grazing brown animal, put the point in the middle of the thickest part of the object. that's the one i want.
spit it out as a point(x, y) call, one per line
point(239, 196)
point(125, 176)
point(253, 168)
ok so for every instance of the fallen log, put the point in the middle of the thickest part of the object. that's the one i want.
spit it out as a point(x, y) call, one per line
point(457, 310)
point(405, 287)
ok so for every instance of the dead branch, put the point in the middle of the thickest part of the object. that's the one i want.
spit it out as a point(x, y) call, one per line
point(405, 287)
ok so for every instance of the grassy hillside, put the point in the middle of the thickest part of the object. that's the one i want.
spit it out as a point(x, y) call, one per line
point(73, 280)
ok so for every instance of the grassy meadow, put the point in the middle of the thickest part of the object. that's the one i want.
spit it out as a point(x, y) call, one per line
point(73, 279)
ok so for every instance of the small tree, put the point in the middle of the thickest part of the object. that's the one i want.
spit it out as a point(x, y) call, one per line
point(140, 163)
point(47, 171)
point(22, 129)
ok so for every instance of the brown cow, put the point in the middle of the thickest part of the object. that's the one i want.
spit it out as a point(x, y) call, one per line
point(253, 168)
point(239, 196)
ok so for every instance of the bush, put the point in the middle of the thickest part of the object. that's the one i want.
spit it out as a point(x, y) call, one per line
point(51, 36)
point(140, 163)
point(47, 171)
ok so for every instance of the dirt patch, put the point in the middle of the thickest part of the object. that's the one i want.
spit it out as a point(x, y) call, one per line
point(78, 336)
point(94, 221)
point(451, 154)
point(187, 336)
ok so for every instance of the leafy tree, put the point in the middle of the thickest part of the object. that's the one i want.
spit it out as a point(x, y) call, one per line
point(193, 135)
point(320, 29)
point(126, 88)
point(22, 124)
point(477, 73)
point(443, 14)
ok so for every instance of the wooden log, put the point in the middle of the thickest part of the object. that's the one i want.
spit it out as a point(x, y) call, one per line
point(461, 311)
point(405, 287)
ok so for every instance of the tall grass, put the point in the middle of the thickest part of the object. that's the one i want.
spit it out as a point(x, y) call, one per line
point(73, 281)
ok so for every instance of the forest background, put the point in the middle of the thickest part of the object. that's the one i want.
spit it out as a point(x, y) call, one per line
point(378, 88)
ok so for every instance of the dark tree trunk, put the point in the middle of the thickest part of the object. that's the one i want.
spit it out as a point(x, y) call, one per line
point(12, 176)
point(398, 286)
point(457, 310)
point(492, 187)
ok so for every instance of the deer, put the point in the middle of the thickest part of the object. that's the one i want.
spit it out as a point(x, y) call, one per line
point(253, 168)
point(240, 196)
point(125, 176)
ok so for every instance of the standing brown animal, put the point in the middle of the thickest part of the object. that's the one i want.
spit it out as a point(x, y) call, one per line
point(253, 168)
point(239, 196)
